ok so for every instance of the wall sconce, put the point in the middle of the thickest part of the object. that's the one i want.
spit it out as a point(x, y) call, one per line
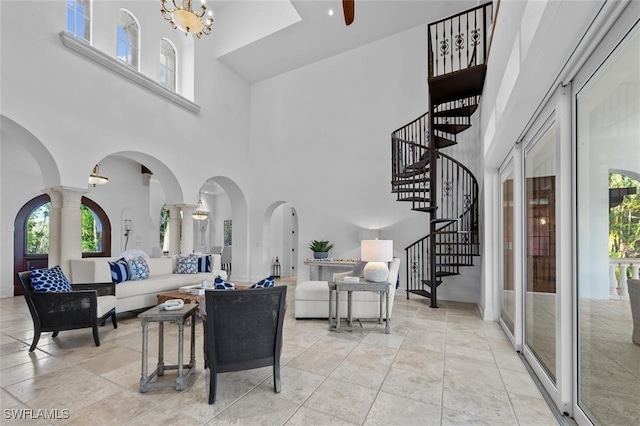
point(127, 231)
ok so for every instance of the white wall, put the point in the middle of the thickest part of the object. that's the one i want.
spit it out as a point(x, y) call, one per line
point(317, 138)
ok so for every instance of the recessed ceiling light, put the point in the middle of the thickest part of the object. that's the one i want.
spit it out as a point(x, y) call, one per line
point(330, 12)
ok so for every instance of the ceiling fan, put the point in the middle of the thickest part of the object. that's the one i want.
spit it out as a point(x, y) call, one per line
point(349, 8)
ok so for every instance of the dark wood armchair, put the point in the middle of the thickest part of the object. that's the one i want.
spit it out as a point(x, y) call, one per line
point(244, 331)
point(87, 305)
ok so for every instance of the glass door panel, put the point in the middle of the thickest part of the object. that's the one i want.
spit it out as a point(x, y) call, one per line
point(608, 238)
point(508, 297)
point(540, 250)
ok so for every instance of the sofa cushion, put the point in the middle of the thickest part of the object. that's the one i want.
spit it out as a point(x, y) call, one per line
point(119, 271)
point(204, 263)
point(138, 268)
point(46, 280)
point(265, 283)
point(221, 284)
point(187, 264)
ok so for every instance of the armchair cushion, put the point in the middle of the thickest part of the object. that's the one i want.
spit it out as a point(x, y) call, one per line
point(46, 280)
point(120, 270)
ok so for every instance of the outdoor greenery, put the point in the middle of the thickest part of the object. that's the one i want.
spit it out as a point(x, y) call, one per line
point(624, 220)
point(164, 225)
point(38, 230)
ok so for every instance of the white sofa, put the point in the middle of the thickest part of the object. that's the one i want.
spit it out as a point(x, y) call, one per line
point(132, 295)
point(312, 298)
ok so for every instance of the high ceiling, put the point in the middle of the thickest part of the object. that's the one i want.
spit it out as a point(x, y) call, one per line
point(259, 39)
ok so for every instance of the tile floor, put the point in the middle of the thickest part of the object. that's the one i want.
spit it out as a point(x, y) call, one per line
point(437, 367)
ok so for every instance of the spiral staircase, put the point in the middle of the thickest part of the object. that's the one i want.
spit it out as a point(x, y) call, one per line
point(425, 176)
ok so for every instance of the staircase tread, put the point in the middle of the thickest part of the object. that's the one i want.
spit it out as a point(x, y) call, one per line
point(463, 111)
point(454, 129)
point(445, 273)
point(458, 84)
point(424, 209)
point(443, 142)
point(414, 199)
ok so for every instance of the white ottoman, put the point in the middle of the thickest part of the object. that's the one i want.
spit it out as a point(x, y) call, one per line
point(312, 301)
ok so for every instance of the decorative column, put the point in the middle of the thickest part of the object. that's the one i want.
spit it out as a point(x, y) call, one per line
point(54, 226)
point(187, 228)
point(70, 241)
point(174, 229)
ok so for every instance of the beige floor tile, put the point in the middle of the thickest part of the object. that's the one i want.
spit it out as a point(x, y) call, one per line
point(520, 383)
point(306, 416)
point(391, 409)
point(425, 386)
point(341, 399)
point(366, 365)
point(479, 401)
point(296, 385)
point(260, 407)
point(532, 411)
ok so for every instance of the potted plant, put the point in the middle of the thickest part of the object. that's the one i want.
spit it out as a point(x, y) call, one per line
point(320, 248)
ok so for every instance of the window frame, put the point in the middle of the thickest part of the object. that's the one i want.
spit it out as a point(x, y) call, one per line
point(164, 44)
point(132, 45)
point(88, 22)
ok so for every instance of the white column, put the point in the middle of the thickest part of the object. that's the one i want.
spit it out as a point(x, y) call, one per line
point(174, 229)
point(186, 246)
point(70, 241)
point(54, 226)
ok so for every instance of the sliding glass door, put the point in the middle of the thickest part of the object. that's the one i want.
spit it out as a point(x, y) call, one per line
point(507, 242)
point(540, 169)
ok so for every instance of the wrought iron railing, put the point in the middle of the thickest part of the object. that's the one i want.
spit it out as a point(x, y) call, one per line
point(460, 41)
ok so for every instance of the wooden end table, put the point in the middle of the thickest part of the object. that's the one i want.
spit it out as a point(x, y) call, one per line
point(350, 287)
point(186, 297)
point(179, 316)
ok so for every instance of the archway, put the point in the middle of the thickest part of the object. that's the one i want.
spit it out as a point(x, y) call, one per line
point(280, 237)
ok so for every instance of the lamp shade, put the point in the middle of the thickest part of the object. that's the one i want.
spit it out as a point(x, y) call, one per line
point(376, 253)
point(376, 250)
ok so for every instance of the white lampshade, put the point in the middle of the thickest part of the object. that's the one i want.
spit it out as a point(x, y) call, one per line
point(377, 253)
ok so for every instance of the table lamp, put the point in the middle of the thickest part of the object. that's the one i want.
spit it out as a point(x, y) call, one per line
point(377, 253)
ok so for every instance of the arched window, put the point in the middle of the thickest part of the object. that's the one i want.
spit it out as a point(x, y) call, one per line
point(128, 39)
point(167, 64)
point(79, 19)
point(96, 241)
point(164, 229)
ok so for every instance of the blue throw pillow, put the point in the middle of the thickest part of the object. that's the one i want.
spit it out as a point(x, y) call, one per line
point(221, 284)
point(265, 283)
point(120, 271)
point(187, 264)
point(49, 280)
point(204, 263)
point(138, 268)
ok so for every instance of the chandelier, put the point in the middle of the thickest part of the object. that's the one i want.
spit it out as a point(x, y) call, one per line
point(199, 213)
point(190, 21)
point(96, 179)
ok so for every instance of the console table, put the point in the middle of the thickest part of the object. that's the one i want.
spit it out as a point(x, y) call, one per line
point(350, 287)
point(180, 317)
point(319, 264)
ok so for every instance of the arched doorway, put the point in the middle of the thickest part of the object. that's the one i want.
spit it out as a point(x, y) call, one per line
point(31, 235)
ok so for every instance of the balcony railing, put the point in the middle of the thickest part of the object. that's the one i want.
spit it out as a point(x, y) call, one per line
point(618, 271)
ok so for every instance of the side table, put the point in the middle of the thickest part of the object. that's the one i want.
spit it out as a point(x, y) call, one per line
point(350, 287)
point(179, 316)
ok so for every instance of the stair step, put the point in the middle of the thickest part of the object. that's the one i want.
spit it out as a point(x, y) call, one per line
point(443, 142)
point(463, 111)
point(452, 264)
point(415, 199)
point(454, 129)
point(409, 181)
point(412, 173)
point(409, 190)
point(424, 209)
point(445, 273)
point(428, 282)
point(458, 84)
